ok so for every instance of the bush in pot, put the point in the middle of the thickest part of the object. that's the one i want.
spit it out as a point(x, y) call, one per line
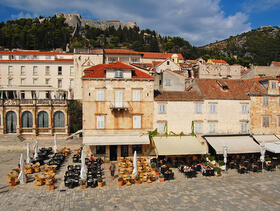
point(120, 181)
point(161, 178)
point(100, 182)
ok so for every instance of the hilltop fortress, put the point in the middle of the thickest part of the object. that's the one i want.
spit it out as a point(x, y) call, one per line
point(75, 20)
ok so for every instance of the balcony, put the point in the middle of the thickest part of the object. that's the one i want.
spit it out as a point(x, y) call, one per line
point(22, 102)
point(120, 106)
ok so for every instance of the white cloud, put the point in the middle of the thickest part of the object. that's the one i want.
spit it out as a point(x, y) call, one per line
point(21, 15)
point(253, 6)
point(199, 22)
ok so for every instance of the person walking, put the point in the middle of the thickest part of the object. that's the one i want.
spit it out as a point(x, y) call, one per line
point(112, 168)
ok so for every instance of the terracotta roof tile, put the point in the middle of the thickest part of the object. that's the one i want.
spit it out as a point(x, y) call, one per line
point(228, 88)
point(276, 64)
point(191, 95)
point(218, 61)
point(98, 71)
point(121, 51)
point(150, 55)
point(33, 53)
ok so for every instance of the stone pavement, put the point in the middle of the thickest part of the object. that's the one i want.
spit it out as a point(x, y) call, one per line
point(253, 191)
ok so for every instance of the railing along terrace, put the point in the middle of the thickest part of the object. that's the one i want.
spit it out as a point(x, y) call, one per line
point(17, 102)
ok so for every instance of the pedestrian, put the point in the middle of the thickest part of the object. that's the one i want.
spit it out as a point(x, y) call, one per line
point(91, 158)
point(112, 168)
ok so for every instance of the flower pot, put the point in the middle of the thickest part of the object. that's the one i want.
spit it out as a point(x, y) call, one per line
point(120, 183)
point(51, 187)
point(138, 182)
point(83, 186)
point(153, 169)
point(100, 184)
point(13, 182)
point(161, 179)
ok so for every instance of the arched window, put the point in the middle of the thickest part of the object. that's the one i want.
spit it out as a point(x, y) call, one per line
point(27, 119)
point(11, 122)
point(59, 119)
point(43, 119)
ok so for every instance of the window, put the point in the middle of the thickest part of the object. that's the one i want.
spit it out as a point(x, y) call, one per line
point(35, 70)
point(161, 128)
point(137, 148)
point(265, 101)
point(136, 95)
point(22, 81)
point(100, 149)
point(244, 127)
point(47, 81)
point(47, 70)
point(198, 127)
point(273, 85)
point(22, 70)
point(59, 83)
point(244, 108)
point(59, 71)
point(212, 108)
point(71, 70)
point(118, 98)
point(10, 82)
point(43, 119)
point(167, 83)
point(118, 74)
point(72, 83)
point(35, 80)
point(59, 119)
point(100, 122)
point(212, 127)
point(48, 57)
point(265, 121)
point(100, 95)
point(10, 70)
point(161, 108)
point(136, 121)
point(198, 108)
point(35, 57)
point(167, 62)
point(27, 120)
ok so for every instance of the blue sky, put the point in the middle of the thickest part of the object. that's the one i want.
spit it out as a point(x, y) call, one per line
point(198, 21)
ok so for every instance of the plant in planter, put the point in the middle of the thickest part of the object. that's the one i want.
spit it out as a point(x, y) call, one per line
point(83, 183)
point(161, 178)
point(120, 181)
point(13, 181)
point(153, 166)
point(100, 182)
point(137, 179)
point(218, 171)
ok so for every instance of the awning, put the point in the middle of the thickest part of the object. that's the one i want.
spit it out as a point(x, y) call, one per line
point(116, 140)
point(266, 138)
point(235, 144)
point(271, 142)
point(176, 145)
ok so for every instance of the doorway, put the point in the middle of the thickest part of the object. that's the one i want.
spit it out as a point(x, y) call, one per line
point(124, 150)
point(113, 152)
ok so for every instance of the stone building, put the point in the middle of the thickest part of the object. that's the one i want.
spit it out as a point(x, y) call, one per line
point(117, 110)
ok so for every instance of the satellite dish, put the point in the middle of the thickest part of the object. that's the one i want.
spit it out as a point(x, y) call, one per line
point(158, 70)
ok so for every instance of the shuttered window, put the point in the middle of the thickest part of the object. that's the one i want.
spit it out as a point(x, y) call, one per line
point(100, 122)
point(27, 120)
point(59, 119)
point(136, 95)
point(136, 121)
point(100, 95)
point(43, 119)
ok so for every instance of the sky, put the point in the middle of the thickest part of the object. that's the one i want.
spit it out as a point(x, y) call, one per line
point(199, 22)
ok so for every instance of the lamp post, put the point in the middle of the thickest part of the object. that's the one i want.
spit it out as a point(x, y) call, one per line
point(262, 154)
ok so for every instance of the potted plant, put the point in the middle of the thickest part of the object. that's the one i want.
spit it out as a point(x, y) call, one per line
point(120, 181)
point(157, 171)
point(83, 183)
point(161, 178)
point(13, 181)
point(100, 182)
point(153, 166)
point(137, 179)
point(218, 171)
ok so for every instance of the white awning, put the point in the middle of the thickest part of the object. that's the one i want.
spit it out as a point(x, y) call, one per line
point(272, 142)
point(116, 140)
point(266, 138)
point(176, 145)
point(235, 144)
point(273, 147)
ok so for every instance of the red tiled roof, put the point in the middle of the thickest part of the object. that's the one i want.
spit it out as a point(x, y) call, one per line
point(233, 89)
point(191, 95)
point(150, 55)
point(33, 53)
point(39, 61)
point(276, 64)
point(218, 61)
point(98, 71)
point(121, 51)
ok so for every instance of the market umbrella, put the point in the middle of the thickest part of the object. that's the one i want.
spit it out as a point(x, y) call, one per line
point(55, 147)
point(225, 154)
point(262, 153)
point(21, 175)
point(28, 160)
point(36, 151)
point(135, 164)
point(83, 174)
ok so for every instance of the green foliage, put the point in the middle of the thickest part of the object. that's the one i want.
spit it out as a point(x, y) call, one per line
point(218, 170)
point(75, 115)
point(99, 179)
point(120, 179)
